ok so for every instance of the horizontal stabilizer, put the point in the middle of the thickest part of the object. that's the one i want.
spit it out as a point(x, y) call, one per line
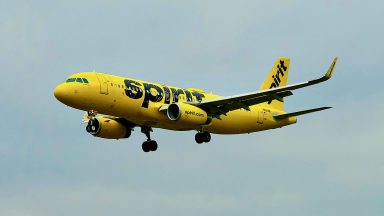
point(284, 116)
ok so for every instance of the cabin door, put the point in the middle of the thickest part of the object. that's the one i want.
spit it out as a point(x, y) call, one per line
point(103, 83)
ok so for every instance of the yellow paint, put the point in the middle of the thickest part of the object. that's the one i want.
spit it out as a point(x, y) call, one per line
point(109, 99)
point(107, 95)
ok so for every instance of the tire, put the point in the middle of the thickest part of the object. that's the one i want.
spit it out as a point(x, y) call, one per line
point(199, 138)
point(88, 128)
point(94, 126)
point(206, 137)
point(153, 145)
point(146, 147)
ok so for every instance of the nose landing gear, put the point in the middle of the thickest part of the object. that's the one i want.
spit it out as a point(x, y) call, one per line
point(93, 125)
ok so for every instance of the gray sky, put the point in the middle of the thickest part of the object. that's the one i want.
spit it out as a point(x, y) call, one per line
point(330, 163)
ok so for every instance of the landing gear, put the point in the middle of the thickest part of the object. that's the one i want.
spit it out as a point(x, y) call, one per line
point(201, 137)
point(149, 145)
point(93, 125)
point(92, 113)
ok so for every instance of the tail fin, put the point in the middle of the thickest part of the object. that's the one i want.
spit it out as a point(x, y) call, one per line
point(277, 77)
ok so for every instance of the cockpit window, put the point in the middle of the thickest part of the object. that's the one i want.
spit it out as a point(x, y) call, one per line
point(71, 80)
point(79, 80)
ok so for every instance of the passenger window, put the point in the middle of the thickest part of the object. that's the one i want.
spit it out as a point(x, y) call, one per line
point(79, 80)
point(85, 80)
point(71, 80)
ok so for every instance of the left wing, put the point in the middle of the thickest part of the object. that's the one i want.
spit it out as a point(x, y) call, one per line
point(221, 106)
point(294, 114)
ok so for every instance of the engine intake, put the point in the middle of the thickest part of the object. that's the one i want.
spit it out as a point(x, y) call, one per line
point(187, 114)
point(108, 128)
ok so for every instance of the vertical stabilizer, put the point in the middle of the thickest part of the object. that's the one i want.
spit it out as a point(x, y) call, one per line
point(277, 77)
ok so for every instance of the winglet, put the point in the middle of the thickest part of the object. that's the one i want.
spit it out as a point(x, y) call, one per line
point(327, 76)
point(329, 73)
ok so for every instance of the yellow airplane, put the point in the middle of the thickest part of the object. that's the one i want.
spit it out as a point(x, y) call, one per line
point(128, 103)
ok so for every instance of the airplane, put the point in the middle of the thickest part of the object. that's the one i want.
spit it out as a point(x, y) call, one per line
point(126, 103)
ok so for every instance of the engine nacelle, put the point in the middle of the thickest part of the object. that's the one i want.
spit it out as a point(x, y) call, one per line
point(108, 128)
point(187, 114)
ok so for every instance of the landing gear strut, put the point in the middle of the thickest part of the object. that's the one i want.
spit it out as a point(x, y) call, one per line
point(201, 137)
point(149, 145)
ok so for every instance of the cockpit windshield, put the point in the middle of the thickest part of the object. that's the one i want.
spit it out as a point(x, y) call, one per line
point(79, 80)
point(71, 80)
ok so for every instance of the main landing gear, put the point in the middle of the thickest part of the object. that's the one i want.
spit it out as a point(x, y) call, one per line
point(201, 137)
point(149, 145)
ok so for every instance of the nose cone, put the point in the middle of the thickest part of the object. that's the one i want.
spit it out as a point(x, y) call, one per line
point(60, 93)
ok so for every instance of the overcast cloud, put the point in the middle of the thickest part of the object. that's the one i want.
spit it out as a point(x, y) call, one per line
point(329, 163)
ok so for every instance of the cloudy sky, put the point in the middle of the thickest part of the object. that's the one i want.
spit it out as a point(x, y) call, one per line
point(330, 163)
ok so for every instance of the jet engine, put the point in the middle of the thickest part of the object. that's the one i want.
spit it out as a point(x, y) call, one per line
point(107, 128)
point(186, 114)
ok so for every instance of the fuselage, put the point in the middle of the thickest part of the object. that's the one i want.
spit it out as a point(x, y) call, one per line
point(139, 102)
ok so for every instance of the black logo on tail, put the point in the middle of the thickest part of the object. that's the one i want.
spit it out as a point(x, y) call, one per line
point(281, 69)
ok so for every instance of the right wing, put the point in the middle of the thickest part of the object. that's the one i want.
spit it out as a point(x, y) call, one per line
point(220, 106)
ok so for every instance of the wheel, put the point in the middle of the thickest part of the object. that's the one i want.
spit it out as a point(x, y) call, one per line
point(88, 128)
point(152, 145)
point(206, 137)
point(146, 146)
point(199, 138)
point(93, 126)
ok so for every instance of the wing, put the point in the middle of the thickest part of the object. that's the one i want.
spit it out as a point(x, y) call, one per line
point(303, 112)
point(221, 106)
